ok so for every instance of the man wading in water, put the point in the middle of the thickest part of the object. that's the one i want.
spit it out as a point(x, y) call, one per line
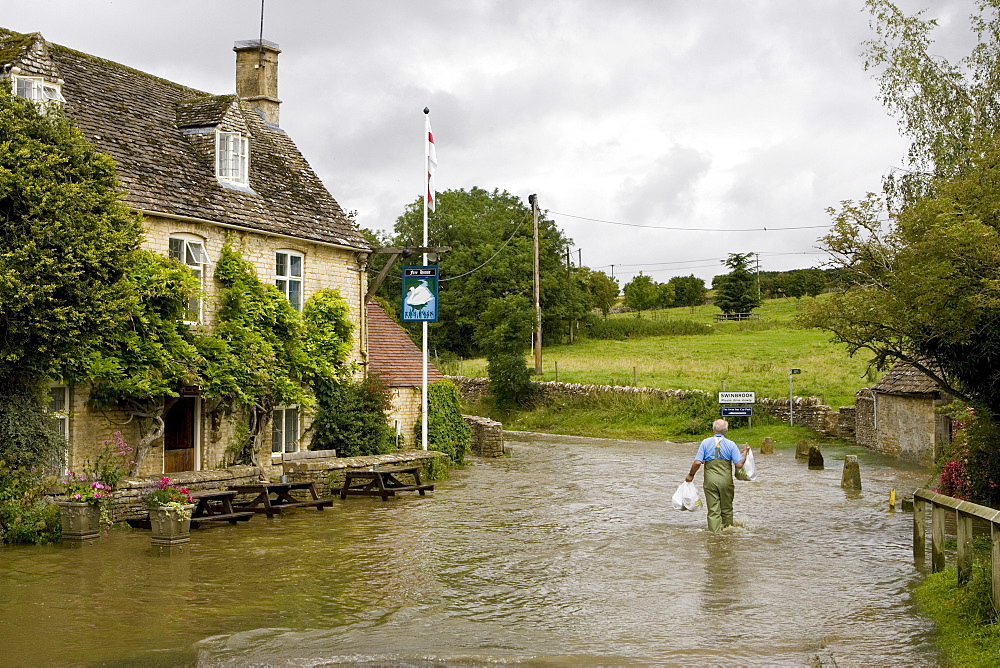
point(718, 453)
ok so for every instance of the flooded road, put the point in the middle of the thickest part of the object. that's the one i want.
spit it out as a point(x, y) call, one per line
point(565, 553)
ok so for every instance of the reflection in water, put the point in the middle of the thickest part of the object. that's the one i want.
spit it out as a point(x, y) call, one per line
point(567, 552)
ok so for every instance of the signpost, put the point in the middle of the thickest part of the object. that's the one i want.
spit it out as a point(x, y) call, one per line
point(791, 397)
point(737, 398)
point(420, 294)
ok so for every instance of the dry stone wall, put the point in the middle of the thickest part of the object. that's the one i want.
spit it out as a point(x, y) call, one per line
point(487, 436)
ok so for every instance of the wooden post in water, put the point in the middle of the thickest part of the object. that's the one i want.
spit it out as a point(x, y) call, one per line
point(937, 538)
point(920, 530)
point(964, 524)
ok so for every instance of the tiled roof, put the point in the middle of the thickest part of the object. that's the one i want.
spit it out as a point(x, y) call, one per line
point(392, 354)
point(144, 123)
point(906, 379)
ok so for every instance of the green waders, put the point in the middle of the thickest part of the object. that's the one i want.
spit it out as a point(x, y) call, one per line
point(719, 491)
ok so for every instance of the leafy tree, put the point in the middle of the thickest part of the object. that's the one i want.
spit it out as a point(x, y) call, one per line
point(66, 239)
point(738, 292)
point(688, 290)
point(505, 335)
point(641, 294)
point(664, 295)
point(490, 234)
point(603, 291)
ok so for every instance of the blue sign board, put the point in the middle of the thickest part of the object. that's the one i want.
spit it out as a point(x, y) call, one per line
point(737, 411)
point(420, 294)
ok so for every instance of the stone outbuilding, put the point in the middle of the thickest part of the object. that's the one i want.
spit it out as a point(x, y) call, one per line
point(201, 170)
point(899, 416)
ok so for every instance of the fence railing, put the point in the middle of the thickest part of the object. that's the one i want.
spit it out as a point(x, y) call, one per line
point(965, 513)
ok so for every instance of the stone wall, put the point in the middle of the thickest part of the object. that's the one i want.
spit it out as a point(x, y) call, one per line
point(864, 419)
point(127, 502)
point(487, 436)
point(328, 474)
point(405, 414)
point(807, 411)
point(473, 389)
point(846, 422)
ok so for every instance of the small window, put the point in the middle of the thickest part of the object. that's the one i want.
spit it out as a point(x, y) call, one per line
point(232, 157)
point(58, 409)
point(288, 276)
point(285, 431)
point(38, 90)
point(191, 251)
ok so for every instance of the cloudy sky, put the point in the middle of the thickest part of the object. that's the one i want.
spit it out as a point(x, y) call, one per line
point(710, 116)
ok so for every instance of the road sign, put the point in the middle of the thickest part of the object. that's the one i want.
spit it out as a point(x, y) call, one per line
point(737, 411)
point(794, 371)
point(420, 291)
point(737, 397)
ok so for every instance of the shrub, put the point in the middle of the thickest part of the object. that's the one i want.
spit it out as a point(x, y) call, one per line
point(633, 328)
point(27, 514)
point(447, 431)
point(350, 417)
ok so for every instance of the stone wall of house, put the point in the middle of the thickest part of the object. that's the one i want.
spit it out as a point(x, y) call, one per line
point(487, 436)
point(846, 422)
point(404, 415)
point(906, 427)
point(323, 267)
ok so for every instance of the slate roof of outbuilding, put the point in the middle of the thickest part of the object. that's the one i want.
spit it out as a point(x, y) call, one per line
point(907, 379)
point(144, 123)
point(392, 354)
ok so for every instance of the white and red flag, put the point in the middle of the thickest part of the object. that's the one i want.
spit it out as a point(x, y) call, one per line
point(431, 167)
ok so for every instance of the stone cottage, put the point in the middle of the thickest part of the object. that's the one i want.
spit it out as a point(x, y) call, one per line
point(200, 169)
point(899, 416)
point(395, 358)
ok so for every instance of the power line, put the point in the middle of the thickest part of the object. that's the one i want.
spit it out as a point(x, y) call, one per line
point(691, 229)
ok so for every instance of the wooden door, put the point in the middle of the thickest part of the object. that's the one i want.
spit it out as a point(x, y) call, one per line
point(179, 435)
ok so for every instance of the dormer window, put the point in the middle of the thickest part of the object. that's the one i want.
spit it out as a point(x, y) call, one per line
point(190, 250)
point(232, 162)
point(37, 89)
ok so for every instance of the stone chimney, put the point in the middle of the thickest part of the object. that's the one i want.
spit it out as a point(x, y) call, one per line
point(257, 76)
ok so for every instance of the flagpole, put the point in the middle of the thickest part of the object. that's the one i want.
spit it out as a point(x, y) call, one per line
point(423, 369)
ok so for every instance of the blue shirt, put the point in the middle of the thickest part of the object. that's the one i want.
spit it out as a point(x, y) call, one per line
point(727, 449)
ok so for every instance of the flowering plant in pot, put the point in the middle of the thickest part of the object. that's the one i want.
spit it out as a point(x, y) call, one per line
point(83, 510)
point(170, 509)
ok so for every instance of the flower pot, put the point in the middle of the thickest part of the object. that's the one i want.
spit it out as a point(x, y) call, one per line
point(171, 525)
point(80, 520)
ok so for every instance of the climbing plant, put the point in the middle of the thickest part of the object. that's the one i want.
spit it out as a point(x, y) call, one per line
point(447, 430)
point(351, 417)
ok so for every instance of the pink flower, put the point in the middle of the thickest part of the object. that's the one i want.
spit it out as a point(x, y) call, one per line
point(76, 496)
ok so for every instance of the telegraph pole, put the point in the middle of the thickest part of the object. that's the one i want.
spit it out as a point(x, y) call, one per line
point(536, 291)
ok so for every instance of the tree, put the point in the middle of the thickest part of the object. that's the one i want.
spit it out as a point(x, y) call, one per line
point(504, 334)
point(490, 234)
point(738, 292)
point(688, 290)
point(924, 287)
point(603, 291)
point(641, 294)
point(665, 295)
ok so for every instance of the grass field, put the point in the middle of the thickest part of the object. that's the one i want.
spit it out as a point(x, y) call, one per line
point(738, 356)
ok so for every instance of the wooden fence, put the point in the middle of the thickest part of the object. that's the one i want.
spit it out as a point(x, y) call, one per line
point(965, 512)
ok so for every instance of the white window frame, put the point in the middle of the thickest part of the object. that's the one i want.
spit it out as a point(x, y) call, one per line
point(189, 250)
point(285, 278)
point(283, 418)
point(38, 89)
point(232, 157)
point(60, 417)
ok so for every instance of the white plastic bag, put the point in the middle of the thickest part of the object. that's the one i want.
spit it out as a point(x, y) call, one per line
point(749, 470)
point(686, 497)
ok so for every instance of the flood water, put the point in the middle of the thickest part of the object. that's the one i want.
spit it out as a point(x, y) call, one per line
point(565, 553)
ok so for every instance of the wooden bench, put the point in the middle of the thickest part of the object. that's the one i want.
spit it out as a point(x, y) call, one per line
point(216, 506)
point(273, 497)
point(383, 482)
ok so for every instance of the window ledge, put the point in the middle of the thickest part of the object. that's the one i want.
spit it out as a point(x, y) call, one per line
point(239, 187)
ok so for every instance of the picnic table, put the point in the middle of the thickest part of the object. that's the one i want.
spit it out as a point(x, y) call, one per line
point(273, 497)
point(216, 506)
point(384, 482)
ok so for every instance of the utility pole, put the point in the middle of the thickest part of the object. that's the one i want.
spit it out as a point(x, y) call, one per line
point(758, 276)
point(536, 291)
